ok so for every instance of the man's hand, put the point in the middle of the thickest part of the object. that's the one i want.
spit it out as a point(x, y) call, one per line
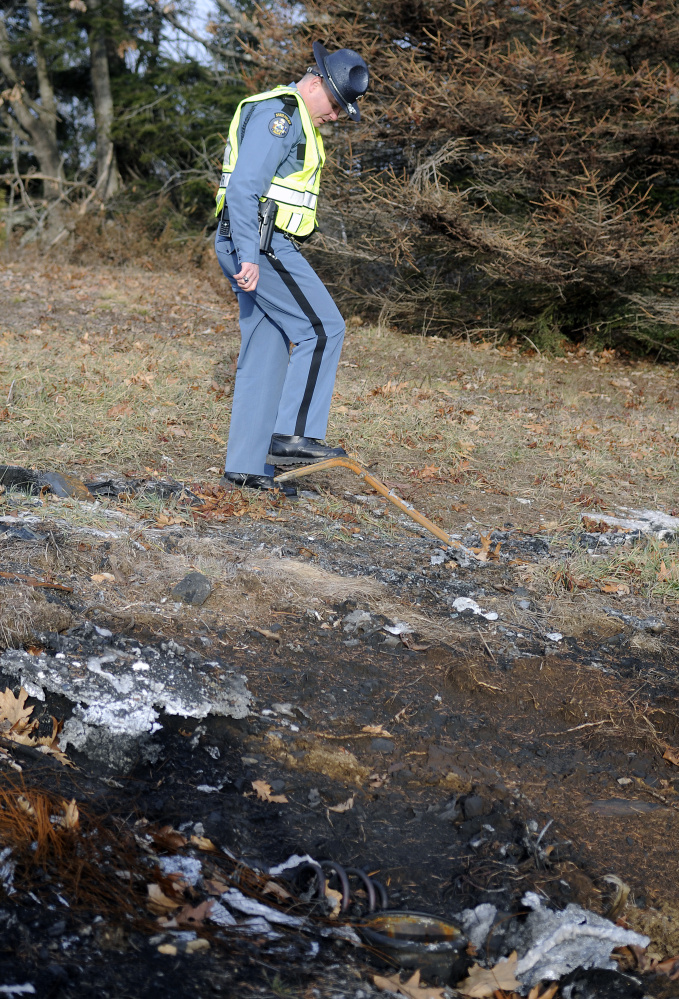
point(247, 277)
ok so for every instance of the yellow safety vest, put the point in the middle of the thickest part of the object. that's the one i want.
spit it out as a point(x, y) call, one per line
point(295, 195)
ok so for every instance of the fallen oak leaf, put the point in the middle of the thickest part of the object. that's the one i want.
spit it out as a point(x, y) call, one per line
point(672, 755)
point(203, 843)
point(168, 838)
point(665, 573)
point(264, 792)
point(669, 967)
point(159, 902)
point(413, 646)
point(14, 715)
point(215, 887)
point(271, 888)
point(485, 982)
point(410, 989)
point(121, 409)
point(49, 744)
point(335, 899)
point(194, 915)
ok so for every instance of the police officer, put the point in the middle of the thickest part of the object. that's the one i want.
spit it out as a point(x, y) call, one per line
point(291, 330)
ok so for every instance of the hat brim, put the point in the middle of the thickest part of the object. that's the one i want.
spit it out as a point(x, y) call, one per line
point(320, 55)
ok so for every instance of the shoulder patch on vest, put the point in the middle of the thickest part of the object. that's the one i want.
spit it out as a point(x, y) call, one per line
point(280, 124)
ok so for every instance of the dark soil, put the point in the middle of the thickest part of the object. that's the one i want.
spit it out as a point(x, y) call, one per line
point(497, 768)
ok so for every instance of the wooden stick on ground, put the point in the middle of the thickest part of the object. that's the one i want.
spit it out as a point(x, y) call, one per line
point(371, 480)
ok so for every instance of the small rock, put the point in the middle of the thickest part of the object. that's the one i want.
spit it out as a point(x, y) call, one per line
point(624, 780)
point(357, 620)
point(391, 641)
point(382, 745)
point(193, 589)
point(524, 604)
point(473, 806)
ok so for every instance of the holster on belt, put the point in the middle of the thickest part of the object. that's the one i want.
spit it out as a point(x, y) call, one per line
point(267, 220)
point(224, 223)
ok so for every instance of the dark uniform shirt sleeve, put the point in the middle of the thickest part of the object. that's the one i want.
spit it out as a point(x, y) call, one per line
point(260, 155)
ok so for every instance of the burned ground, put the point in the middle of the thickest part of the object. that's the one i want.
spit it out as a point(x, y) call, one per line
point(525, 742)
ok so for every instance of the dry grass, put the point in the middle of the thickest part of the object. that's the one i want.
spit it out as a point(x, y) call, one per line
point(24, 613)
point(646, 569)
point(103, 368)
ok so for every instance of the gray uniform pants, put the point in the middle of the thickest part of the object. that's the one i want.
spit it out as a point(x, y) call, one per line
point(278, 390)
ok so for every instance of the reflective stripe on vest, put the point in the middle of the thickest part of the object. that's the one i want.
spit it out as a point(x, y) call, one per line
point(295, 195)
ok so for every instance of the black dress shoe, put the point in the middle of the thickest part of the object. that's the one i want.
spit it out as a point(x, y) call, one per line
point(300, 450)
point(263, 482)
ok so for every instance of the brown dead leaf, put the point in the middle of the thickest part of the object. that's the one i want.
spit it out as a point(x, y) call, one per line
point(24, 735)
point(410, 989)
point(71, 816)
point(672, 755)
point(194, 915)
point(335, 900)
point(203, 843)
point(14, 715)
point(428, 473)
point(168, 838)
point(667, 573)
point(264, 792)
point(413, 646)
point(215, 887)
point(391, 388)
point(484, 982)
point(344, 806)
point(486, 551)
point(51, 748)
point(121, 409)
point(159, 902)
point(167, 520)
point(669, 967)
point(271, 888)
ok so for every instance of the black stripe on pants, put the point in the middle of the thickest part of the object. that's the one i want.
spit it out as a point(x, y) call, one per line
point(321, 340)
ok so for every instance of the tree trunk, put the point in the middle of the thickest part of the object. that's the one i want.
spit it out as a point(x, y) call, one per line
point(45, 137)
point(32, 121)
point(108, 177)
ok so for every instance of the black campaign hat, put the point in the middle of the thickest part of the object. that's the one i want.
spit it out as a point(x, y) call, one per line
point(346, 74)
